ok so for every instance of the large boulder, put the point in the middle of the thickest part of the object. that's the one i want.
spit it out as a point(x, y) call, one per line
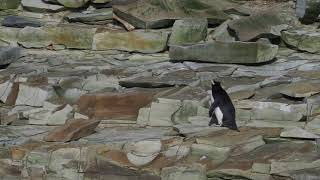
point(225, 52)
point(267, 24)
point(308, 10)
point(68, 36)
point(135, 41)
point(162, 13)
point(303, 40)
point(188, 31)
point(73, 3)
point(9, 4)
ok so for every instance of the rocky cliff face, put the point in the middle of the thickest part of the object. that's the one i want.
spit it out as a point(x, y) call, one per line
point(120, 89)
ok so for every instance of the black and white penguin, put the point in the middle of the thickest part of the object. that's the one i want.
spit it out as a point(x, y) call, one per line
point(222, 111)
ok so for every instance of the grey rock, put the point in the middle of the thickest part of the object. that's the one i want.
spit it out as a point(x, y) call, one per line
point(242, 52)
point(9, 55)
point(221, 33)
point(40, 6)
point(19, 22)
point(301, 89)
point(73, 3)
point(188, 31)
point(267, 24)
point(91, 17)
point(218, 154)
point(303, 40)
point(161, 13)
point(189, 172)
point(308, 10)
point(298, 133)
point(69, 36)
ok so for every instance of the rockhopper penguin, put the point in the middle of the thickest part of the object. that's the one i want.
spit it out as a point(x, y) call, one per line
point(222, 111)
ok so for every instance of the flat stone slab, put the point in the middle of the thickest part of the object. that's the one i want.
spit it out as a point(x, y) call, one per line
point(135, 41)
point(72, 130)
point(124, 105)
point(225, 52)
point(160, 13)
point(298, 133)
point(91, 17)
point(40, 6)
point(69, 36)
point(301, 89)
point(9, 4)
point(19, 22)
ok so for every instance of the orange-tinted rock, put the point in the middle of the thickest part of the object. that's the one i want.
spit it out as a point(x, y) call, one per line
point(114, 105)
point(72, 130)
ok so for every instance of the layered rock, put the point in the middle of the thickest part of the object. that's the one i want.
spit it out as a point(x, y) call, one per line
point(72, 130)
point(73, 3)
point(135, 41)
point(225, 52)
point(162, 13)
point(9, 55)
point(40, 6)
point(303, 40)
point(70, 37)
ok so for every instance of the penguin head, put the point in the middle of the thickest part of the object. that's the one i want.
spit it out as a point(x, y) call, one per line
point(216, 87)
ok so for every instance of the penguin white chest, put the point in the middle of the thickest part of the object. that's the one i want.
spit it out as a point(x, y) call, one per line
point(217, 112)
point(219, 115)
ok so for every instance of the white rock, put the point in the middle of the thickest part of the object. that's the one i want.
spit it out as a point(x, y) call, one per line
point(143, 117)
point(161, 113)
point(140, 160)
point(143, 152)
point(60, 117)
point(31, 96)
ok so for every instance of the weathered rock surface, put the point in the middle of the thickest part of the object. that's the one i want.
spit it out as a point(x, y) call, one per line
point(70, 37)
point(9, 55)
point(298, 133)
point(160, 13)
point(242, 53)
point(265, 24)
point(9, 4)
point(301, 89)
point(188, 31)
point(19, 22)
point(195, 171)
point(135, 41)
point(40, 6)
point(73, 3)
point(72, 130)
point(92, 17)
point(302, 40)
point(114, 105)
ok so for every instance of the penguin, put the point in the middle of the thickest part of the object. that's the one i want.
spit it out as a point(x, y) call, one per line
point(222, 111)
